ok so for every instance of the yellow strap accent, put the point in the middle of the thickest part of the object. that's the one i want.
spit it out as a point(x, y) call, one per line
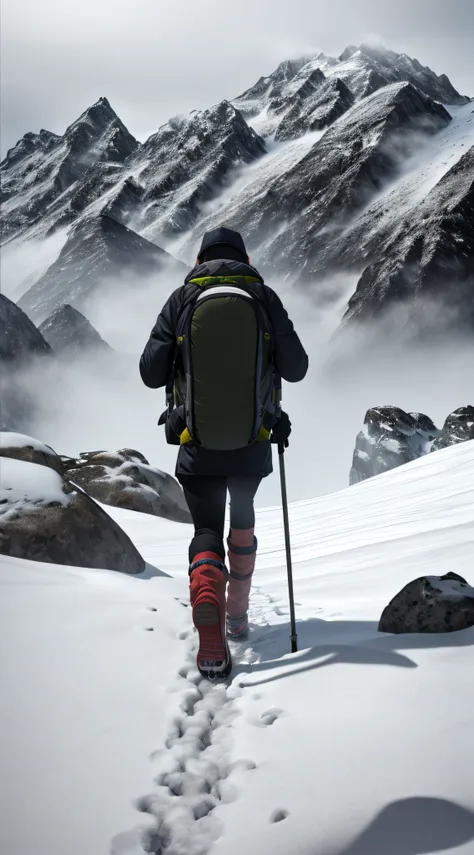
point(267, 336)
point(185, 437)
point(203, 281)
point(262, 435)
point(180, 338)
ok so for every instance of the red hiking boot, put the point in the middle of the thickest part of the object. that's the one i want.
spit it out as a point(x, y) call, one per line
point(208, 580)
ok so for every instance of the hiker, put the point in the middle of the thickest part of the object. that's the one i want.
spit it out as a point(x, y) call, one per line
point(220, 345)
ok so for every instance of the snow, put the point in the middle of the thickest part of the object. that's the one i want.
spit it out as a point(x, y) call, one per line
point(360, 744)
point(419, 174)
point(10, 439)
point(25, 485)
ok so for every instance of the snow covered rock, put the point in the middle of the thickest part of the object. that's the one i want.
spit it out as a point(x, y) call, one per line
point(386, 441)
point(186, 163)
point(44, 518)
point(125, 479)
point(430, 604)
point(296, 221)
point(425, 269)
point(458, 427)
point(67, 330)
point(44, 175)
point(99, 257)
point(21, 447)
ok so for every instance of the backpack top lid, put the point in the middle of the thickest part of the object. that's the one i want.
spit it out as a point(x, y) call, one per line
point(209, 272)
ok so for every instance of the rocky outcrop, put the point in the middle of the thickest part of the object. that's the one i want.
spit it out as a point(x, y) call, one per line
point(458, 427)
point(43, 175)
point(125, 479)
point(389, 438)
point(21, 447)
point(430, 604)
point(44, 518)
point(68, 331)
point(425, 273)
point(99, 254)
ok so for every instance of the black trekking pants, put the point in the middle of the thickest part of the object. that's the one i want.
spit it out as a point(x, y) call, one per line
point(206, 497)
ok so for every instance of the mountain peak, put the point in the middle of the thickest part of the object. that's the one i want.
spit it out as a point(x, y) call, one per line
point(68, 330)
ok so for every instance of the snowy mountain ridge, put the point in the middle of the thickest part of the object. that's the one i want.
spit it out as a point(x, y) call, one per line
point(299, 163)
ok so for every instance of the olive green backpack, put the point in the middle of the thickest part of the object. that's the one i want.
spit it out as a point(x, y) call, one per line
point(224, 374)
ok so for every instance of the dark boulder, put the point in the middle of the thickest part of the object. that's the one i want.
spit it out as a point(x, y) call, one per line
point(125, 479)
point(388, 439)
point(430, 604)
point(21, 447)
point(45, 518)
point(458, 427)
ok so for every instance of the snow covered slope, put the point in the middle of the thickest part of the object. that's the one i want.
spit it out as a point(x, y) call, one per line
point(360, 744)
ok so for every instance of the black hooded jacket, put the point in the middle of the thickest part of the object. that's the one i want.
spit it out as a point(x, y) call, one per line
point(156, 366)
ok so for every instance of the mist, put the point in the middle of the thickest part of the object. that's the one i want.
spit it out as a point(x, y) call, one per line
point(99, 402)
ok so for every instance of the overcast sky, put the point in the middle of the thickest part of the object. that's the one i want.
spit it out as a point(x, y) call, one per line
point(156, 58)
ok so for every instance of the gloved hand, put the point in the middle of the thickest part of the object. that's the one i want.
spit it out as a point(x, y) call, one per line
point(282, 430)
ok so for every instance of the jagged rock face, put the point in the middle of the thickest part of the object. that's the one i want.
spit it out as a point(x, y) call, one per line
point(428, 264)
point(391, 437)
point(295, 101)
point(363, 70)
point(67, 330)
point(125, 479)
point(44, 174)
point(430, 604)
point(21, 346)
point(20, 339)
point(45, 518)
point(185, 164)
point(388, 439)
point(314, 108)
point(98, 253)
point(294, 218)
point(268, 89)
point(458, 427)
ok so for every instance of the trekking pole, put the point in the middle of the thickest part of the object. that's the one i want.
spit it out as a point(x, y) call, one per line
point(286, 521)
